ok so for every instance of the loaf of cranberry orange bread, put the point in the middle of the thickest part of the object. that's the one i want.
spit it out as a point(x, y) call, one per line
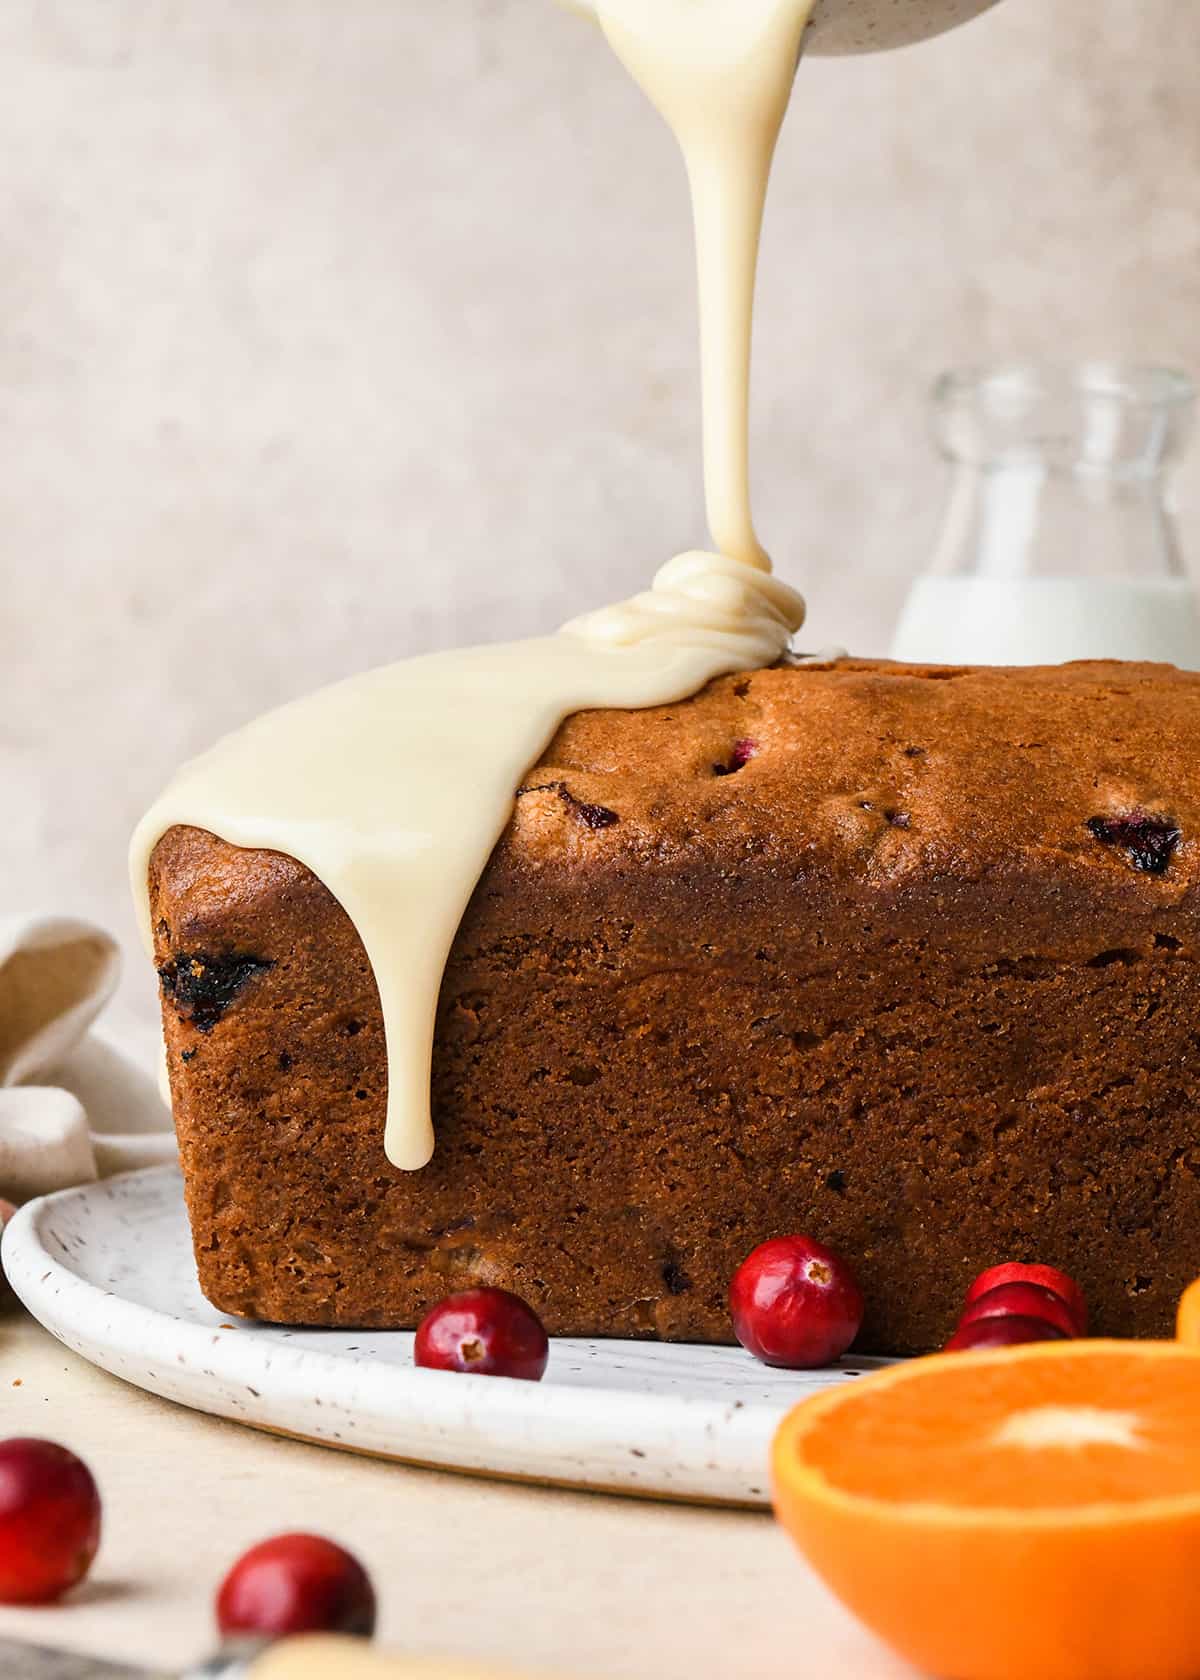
point(905, 958)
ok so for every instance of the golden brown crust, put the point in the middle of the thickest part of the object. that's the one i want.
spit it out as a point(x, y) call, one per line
point(826, 948)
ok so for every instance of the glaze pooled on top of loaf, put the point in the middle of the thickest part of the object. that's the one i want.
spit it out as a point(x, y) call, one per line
point(903, 957)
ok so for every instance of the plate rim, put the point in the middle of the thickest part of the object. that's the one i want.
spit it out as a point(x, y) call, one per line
point(694, 1447)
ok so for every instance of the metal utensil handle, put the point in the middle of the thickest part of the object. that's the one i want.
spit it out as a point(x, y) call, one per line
point(232, 1662)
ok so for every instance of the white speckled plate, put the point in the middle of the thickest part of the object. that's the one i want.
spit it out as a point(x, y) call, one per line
point(108, 1270)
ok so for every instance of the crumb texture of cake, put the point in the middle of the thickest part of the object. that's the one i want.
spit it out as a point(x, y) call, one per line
point(902, 957)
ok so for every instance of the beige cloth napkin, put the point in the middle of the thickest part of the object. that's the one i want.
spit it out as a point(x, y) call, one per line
point(72, 1106)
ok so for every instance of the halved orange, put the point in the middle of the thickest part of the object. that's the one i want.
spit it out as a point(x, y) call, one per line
point(1028, 1514)
point(1187, 1322)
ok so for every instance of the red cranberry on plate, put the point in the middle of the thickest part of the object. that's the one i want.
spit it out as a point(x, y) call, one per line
point(795, 1303)
point(486, 1333)
point(296, 1583)
point(1009, 1331)
point(49, 1521)
point(1021, 1300)
point(1045, 1277)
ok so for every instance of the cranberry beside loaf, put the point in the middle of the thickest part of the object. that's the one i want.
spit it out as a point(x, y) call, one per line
point(906, 958)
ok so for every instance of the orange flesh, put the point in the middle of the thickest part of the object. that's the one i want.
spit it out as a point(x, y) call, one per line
point(943, 1436)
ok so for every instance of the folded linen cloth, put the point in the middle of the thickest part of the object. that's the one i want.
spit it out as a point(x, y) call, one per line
point(73, 1107)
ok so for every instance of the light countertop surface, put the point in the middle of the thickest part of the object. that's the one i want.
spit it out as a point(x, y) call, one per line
point(569, 1584)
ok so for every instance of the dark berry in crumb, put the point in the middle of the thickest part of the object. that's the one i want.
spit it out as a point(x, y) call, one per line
point(484, 1333)
point(296, 1583)
point(591, 816)
point(1002, 1332)
point(1046, 1277)
point(1021, 1300)
point(202, 987)
point(595, 816)
point(740, 755)
point(1149, 841)
point(795, 1303)
point(49, 1521)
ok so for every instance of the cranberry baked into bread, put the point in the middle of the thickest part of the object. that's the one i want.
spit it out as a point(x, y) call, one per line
point(903, 957)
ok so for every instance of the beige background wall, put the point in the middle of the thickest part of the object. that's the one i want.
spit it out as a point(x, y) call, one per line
point(336, 329)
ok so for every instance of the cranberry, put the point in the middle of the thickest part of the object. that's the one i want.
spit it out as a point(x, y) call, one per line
point(49, 1521)
point(1046, 1277)
point(1021, 1300)
point(296, 1583)
point(202, 986)
point(591, 816)
point(795, 1303)
point(1002, 1332)
point(1149, 841)
point(485, 1332)
point(740, 755)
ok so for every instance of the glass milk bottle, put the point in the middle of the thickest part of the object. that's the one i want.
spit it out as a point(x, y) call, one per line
point(1058, 540)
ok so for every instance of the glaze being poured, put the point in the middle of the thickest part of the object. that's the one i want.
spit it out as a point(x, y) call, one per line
point(393, 787)
point(720, 72)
